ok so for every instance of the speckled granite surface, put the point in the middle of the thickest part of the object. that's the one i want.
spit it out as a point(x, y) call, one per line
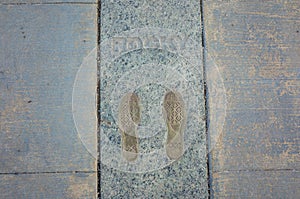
point(149, 47)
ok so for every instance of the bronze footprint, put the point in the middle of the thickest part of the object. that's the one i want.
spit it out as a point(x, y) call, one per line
point(129, 118)
point(175, 118)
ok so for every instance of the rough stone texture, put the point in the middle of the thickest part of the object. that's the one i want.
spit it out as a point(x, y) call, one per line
point(255, 44)
point(187, 176)
point(41, 49)
point(48, 185)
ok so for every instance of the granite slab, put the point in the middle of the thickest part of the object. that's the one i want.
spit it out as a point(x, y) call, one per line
point(149, 48)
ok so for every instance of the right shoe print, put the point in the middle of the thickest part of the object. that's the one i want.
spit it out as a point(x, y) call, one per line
point(175, 118)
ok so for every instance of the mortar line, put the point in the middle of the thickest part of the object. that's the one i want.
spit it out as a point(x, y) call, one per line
point(255, 170)
point(44, 172)
point(204, 56)
point(98, 100)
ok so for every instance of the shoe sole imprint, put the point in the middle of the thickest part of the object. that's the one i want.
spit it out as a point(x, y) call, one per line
point(129, 118)
point(175, 118)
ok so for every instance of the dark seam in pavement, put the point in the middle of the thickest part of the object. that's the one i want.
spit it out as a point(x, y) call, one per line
point(209, 178)
point(98, 100)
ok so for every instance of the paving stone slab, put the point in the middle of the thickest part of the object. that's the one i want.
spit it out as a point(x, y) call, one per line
point(150, 48)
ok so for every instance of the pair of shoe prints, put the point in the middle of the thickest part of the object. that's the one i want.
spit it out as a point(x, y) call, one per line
point(129, 119)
